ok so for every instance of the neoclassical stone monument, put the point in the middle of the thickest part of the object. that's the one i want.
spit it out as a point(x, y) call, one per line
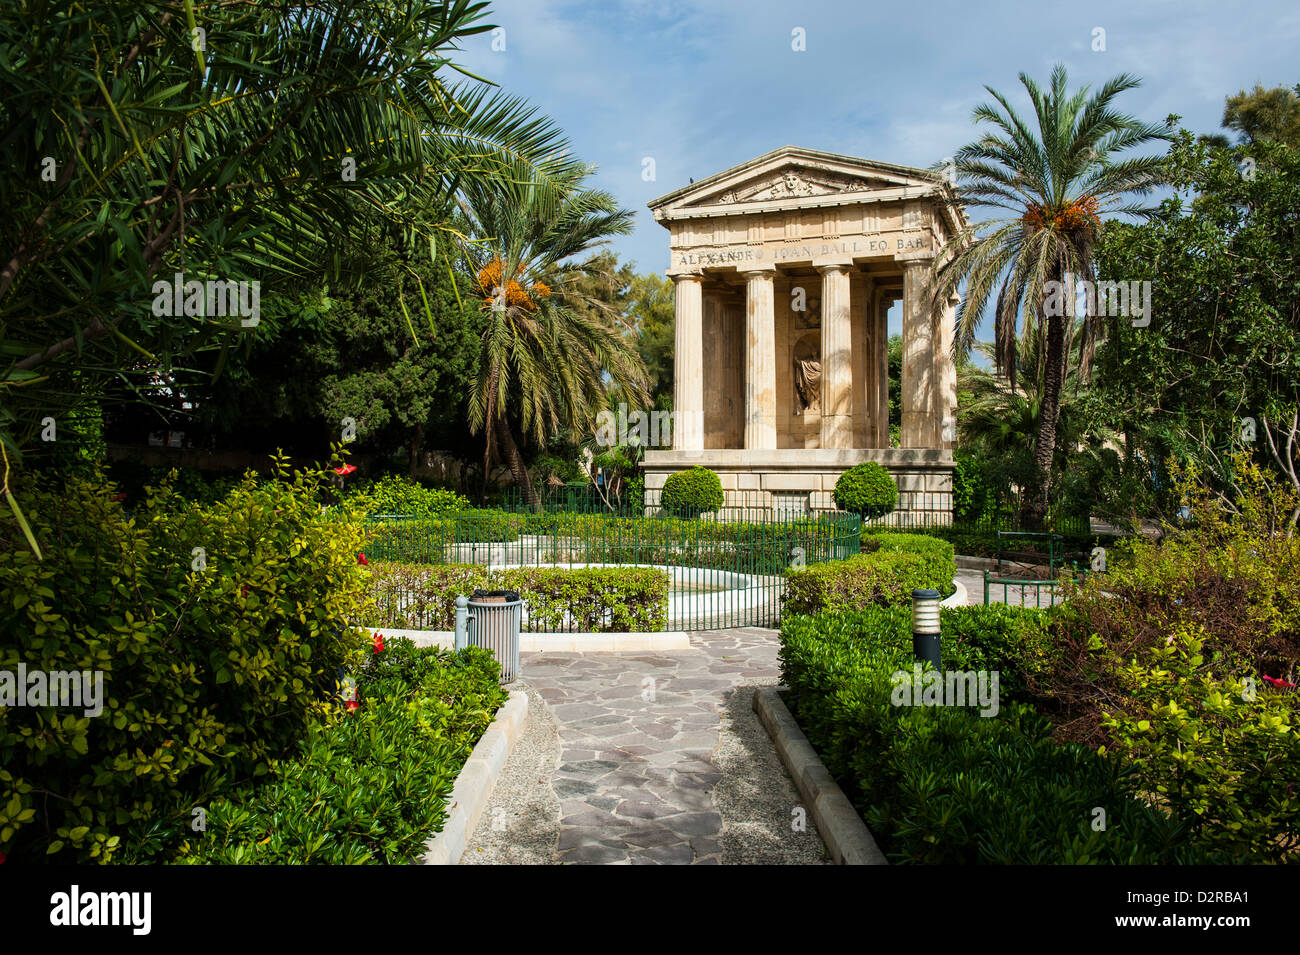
point(785, 267)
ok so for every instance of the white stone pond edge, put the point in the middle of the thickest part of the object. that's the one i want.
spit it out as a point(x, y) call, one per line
point(475, 782)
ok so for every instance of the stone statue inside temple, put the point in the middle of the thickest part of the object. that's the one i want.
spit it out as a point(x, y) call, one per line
point(807, 377)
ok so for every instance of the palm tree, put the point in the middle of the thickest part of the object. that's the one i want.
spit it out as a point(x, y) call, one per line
point(549, 353)
point(1055, 182)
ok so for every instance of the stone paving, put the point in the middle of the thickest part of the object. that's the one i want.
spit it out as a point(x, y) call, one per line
point(661, 760)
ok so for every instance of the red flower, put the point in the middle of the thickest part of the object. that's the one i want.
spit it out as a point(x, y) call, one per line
point(120, 496)
point(2, 858)
point(243, 590)
point(345, 469)
point(361, 559)
point(1279, 683)
point(353, 705)
point(379, 643)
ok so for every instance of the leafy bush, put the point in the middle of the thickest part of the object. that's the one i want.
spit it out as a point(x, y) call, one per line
point(944, 785)
point(1219, 754)
point(884, 576)
point(422, 540)
point(368, 786)
point(214, 661)
point(938, 554)
point(608, 599)
point(866, 489)
point(974, 499)
point(691, 493)
point(392, 494)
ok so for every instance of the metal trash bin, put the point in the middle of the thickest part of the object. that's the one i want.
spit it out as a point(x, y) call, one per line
point(493, 621)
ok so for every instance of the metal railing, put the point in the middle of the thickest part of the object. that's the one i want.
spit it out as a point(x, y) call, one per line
point(720, 573)
point(1026, 591)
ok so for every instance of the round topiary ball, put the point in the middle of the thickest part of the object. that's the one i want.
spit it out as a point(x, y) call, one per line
point(691, 493)
point(867, 490)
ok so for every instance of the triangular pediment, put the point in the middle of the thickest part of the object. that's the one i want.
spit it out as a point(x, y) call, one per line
point(792, 175)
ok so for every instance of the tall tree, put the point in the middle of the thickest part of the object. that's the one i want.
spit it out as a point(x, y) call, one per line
point(546, 357)
point(1265, 114)
point(1055, 181)
point(228, 142)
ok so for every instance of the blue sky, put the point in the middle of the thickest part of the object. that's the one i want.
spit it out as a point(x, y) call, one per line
point(701, 86)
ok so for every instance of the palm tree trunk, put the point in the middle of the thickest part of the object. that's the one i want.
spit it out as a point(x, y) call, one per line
point(515, 461)
point(1033, 507)
point(417, 443)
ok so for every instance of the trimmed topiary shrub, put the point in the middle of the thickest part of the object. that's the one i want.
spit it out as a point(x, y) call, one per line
point(691, 493)
point(866, 489)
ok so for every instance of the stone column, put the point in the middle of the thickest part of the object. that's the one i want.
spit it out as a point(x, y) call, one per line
point(760, 369)
point(837, 358)
point(880, 318)
point(861, 293)
point(688, 363)
point(919, 426)
point(946, 376)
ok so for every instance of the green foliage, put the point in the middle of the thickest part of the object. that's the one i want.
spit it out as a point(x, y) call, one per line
point(940, 564)
point(866, 489)
point(885, 576)
point(209, 671)
point(370, 786)
point(584, 599)
point(940, 784)
point(1224, 263)
point(974, 498)
point(222, 161)
point(397, 495)
point(691, 493)
point(1221, 755)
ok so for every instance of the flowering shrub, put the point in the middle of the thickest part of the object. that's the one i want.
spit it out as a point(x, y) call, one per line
point(219, 630)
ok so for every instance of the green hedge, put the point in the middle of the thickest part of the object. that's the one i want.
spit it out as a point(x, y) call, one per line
point(607, 599)
point(893, 566)
point(370, 786)
point(217, 629)
point(940, 562)
point(745, 547)
point(941, 784)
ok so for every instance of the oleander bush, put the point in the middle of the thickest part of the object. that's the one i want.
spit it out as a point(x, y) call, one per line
point(690, 493)
point(942, 784)
point(606, 599)
point(218, 630)
point(368, 786)
point(866, 489)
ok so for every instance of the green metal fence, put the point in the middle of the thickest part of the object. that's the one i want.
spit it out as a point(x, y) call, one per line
point(1025, 591)
point(721, 572)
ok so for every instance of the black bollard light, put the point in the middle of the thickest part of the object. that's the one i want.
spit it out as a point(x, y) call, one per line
point(925, 627)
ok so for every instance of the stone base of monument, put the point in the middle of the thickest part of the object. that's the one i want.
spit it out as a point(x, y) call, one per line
point(800, 481)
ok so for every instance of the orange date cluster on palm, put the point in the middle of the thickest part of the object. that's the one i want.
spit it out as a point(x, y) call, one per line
point(491, 286)
point(1080, 215)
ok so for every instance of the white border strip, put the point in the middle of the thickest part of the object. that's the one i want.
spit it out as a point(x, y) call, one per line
point(477, 779)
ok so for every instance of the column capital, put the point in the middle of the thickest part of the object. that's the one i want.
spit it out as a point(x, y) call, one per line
point(687, 276)
point(832, 268)
point(758, 271)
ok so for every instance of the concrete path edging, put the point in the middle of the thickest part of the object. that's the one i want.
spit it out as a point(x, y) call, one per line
point(476, 781)
point(652, 640)
point(846, 836)
point(958, 596)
